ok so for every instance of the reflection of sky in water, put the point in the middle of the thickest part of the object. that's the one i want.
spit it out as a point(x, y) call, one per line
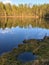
point(10, 38)
point(26, 57)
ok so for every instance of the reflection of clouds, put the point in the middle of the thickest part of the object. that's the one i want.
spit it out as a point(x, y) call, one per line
point(37, 33)
point(9, 30)
point(6, 30)
point(29, 32)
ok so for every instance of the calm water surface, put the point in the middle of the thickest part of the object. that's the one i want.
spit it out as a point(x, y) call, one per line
point(11, 37)
point(26, 57)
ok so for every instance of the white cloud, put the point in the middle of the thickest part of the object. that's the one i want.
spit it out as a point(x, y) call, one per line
point(6, 1)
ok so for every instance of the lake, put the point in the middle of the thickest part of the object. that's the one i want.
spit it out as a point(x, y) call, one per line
point(11, 37)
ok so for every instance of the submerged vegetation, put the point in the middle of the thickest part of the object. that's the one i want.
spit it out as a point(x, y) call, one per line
point(40, 48)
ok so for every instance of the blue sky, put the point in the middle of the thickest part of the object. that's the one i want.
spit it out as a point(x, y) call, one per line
point(25, 1)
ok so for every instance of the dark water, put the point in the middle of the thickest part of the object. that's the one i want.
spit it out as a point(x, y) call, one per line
point(13, 22)
point(11, 37)
point(26, 57)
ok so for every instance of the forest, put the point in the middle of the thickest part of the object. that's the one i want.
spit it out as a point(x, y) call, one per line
point(24, 15)
point(24, 10)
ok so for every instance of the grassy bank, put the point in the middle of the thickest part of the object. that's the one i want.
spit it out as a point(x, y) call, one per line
point(38, 47)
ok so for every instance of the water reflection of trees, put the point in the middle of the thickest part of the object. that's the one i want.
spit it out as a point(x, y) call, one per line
point(13, 22)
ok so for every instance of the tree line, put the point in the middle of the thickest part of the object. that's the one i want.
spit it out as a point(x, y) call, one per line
point(41, 11)
point(24, 10)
